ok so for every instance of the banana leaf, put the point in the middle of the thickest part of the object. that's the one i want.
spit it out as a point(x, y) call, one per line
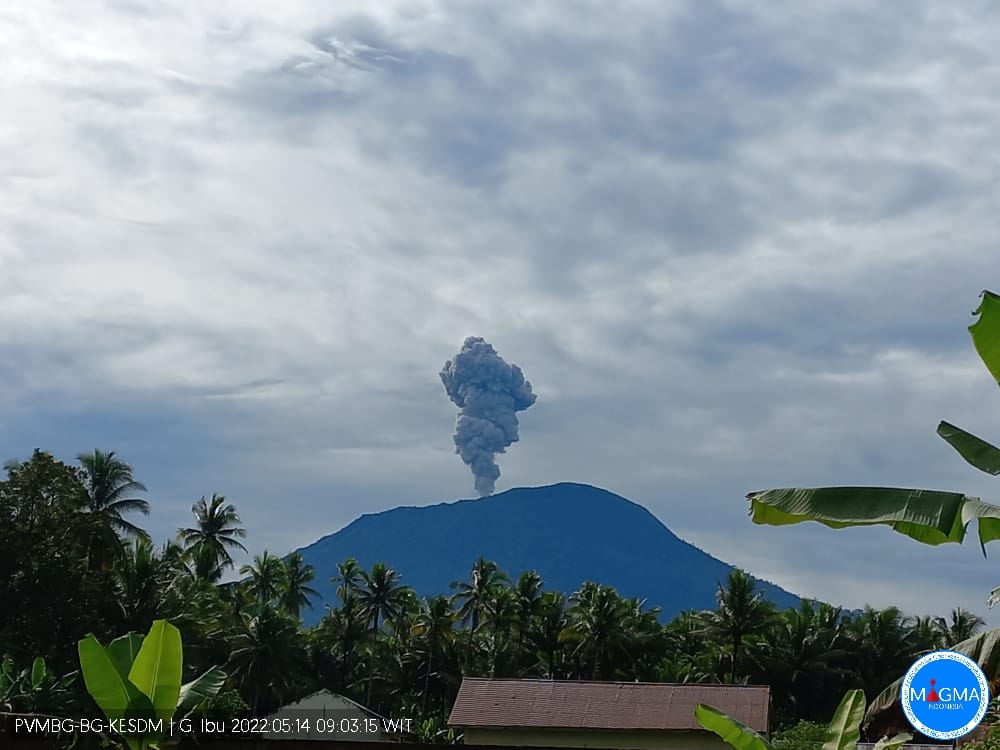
point(928, 516)
point(200, 689)
point(984, 649)
point(844, 730)
point(38, 672)
point(976, 451)
point(735, 733)
point(986, 332)
point(157, 668)
point(112, 692)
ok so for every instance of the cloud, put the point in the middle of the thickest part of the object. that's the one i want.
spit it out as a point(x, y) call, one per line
point(735, 247)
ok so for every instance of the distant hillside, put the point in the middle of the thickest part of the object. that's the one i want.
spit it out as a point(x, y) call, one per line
point(569, 533)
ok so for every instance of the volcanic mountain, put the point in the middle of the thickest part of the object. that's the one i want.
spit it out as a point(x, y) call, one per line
point(568, 533)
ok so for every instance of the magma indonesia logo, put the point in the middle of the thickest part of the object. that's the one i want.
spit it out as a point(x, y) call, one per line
point(945, 695)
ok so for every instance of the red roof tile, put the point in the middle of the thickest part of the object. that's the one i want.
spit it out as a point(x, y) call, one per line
point(602, 705)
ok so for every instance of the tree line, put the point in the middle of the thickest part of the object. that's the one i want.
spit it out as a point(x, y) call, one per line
point(73, 561)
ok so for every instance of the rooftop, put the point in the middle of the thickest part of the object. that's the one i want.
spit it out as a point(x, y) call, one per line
point(565, 704)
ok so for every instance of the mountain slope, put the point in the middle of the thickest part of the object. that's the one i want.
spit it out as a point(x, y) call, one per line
point(569, 533)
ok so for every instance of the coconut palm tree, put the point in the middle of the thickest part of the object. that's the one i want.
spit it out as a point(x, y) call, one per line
point(380, 598)
point(348, 580)
point(296, 592)
point(804, 659)
point(473, 597)
point(741, 613)
point(349, 620)
point(435, 627)
point(527, 597)
point(139, 581)
point(267, 657)
point(882, 647)
point(381, 594)
point(963, 625)
point(216, 532)
point(543, 635)
point(597, 628)
point(266, 577)
point(108, 486)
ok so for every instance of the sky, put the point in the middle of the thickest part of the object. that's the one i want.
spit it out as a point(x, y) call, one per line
point(732, 246)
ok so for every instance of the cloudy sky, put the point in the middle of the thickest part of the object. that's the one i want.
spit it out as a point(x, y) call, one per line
point(732, 246)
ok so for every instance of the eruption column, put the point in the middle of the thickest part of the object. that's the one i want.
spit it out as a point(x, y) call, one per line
point(489, 392)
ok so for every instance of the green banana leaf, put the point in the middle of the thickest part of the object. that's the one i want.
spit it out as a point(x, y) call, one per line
point(38, 672)
point(891, 744)
point(984, 649)
point(929, 516)
point(157, 668)
point(109, 688)
point(976, 451)
point(200, 689)
point(123, 651)
point(734, 732)
point(844, 731)
point(986, 332)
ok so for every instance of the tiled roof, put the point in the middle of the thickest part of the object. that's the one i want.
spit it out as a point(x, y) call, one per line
point(602, 705)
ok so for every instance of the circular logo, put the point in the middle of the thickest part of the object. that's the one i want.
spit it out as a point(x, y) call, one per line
point(945, 695)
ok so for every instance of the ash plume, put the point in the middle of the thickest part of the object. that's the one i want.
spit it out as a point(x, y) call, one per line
point(489, 393)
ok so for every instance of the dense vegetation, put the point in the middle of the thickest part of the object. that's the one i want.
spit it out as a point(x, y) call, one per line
point(73, 561)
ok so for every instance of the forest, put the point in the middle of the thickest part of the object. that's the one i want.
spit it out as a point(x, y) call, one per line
point(74, 560)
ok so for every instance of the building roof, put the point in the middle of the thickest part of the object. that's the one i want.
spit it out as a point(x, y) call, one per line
point(564, 704)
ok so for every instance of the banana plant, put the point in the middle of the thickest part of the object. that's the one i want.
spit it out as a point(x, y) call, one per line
point(928, 516)
point(35, 689)
point(843, 732)
point(136, 682)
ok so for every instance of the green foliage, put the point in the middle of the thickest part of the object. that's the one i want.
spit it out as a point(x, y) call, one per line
point(140, 678)
point(842, 733)
point(735, 733)
point(986, 332)
point(928, 516)
point(844, 729)
point(991, 741)
point(35, 689)
point(805, 735)
point(379, 643)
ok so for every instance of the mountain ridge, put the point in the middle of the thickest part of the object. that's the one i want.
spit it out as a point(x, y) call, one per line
point(568, 532)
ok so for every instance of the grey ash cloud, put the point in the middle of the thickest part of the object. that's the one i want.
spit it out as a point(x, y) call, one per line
point(489, 393)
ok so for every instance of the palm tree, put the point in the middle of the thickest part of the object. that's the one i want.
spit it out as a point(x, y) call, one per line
point(348, 580)
point(266, 658)
point(689, 657)
point(474, 596)
point(267, 578)
point(597, 625)
point(436, 628)
point(138, 579)
point(107, 484)
point(544, 634)
point(528, 598)
point(215, 533)
point(741, 613)
point(380, 595)
point(501, 611)
point(963, 625)
point(804, 660)
point(882, 647)
point(380, 598)
point(296, 591)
